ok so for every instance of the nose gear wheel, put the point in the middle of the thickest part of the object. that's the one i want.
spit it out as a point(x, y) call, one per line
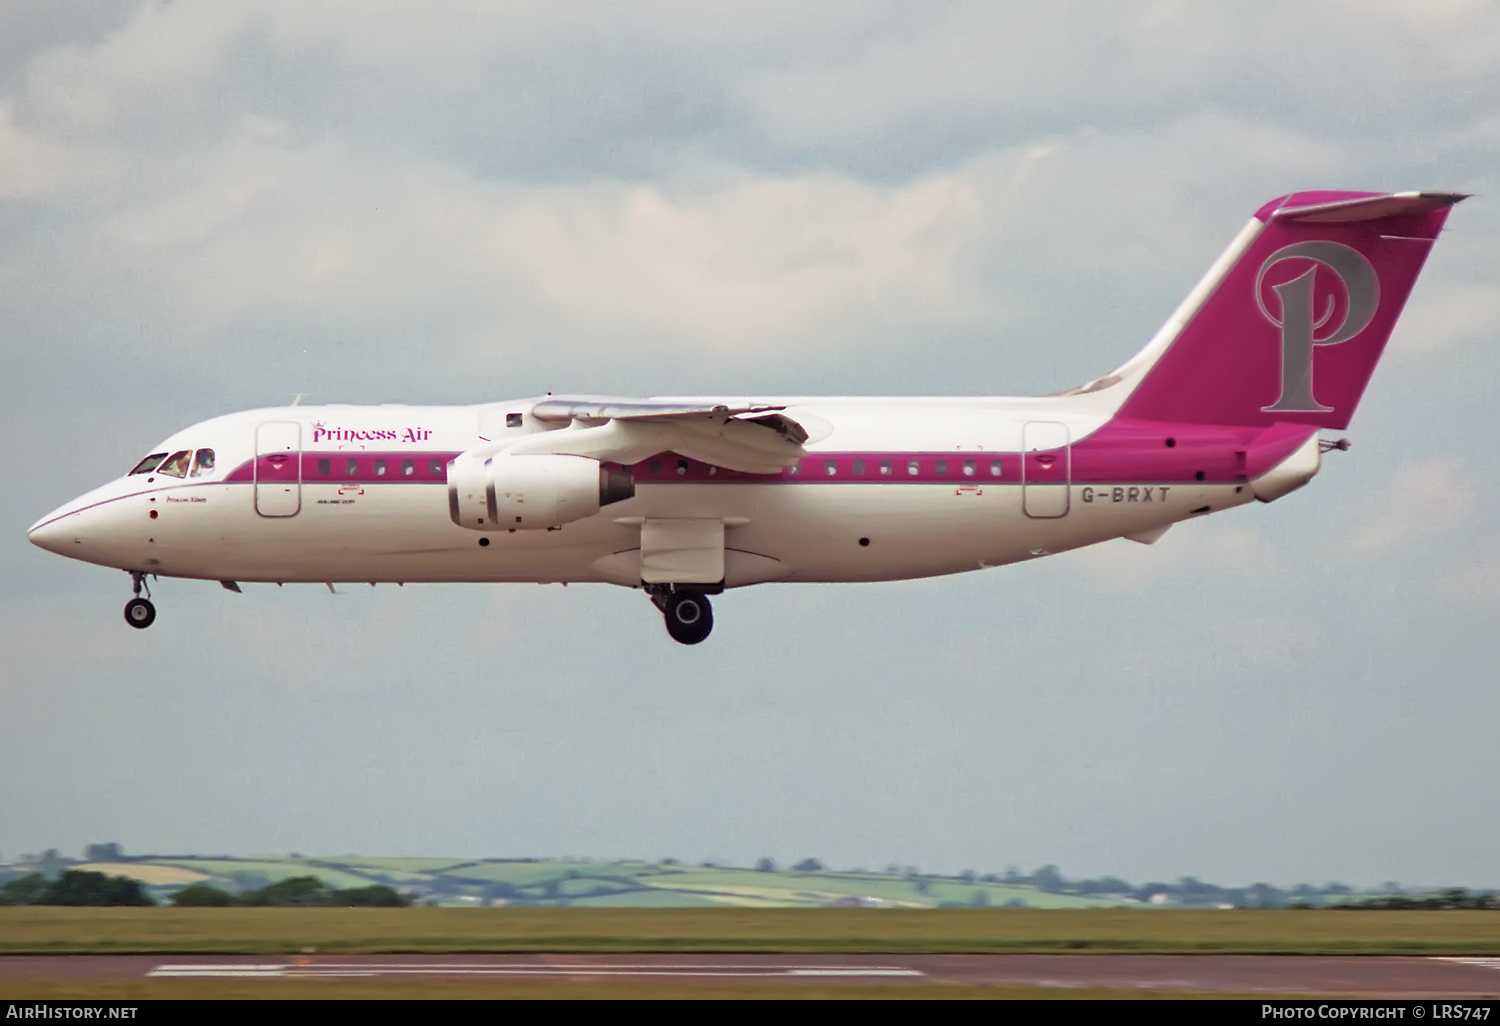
point(140, 613)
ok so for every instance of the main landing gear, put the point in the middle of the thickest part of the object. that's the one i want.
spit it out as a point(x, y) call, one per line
point(139, 612)
point(687, 612)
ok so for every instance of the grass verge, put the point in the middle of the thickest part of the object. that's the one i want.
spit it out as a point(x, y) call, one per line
point(36, 930)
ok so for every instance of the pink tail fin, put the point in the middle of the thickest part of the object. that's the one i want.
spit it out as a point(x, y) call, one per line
point(1292, 330)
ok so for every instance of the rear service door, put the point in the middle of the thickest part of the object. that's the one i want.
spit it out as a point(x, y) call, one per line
point(1046, 468)
point(278, 469)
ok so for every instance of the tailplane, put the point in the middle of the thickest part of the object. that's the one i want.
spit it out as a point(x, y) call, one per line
point(1290, 322)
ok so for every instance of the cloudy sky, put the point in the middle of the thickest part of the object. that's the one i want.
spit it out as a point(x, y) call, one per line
point(207, 207)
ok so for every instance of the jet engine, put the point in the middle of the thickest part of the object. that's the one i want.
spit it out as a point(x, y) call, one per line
point(531, 493)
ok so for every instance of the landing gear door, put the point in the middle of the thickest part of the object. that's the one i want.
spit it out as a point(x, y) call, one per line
point(1046, 469)
point(278, 469)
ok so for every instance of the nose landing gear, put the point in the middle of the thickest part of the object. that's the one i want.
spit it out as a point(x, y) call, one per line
point(688, 614)
point(140, 613)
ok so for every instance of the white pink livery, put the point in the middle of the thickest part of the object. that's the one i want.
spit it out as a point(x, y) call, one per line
point(685, 497)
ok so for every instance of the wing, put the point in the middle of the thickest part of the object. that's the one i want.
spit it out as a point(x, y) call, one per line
point(564, 411)
point(754, 438)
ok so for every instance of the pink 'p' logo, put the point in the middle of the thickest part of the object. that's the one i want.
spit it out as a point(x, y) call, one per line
point(1326, 293)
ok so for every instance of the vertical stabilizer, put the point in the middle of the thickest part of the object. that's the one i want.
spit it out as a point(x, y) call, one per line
point(1290, 323)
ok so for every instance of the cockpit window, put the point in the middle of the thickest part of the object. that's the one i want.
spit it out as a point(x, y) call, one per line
point(176, 465)
point(204, 464)
point(149, 463)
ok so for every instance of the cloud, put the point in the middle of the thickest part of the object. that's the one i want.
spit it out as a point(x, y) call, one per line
point(1448, 314)
point(975, 70)
point(575, 90)
point(1194, 550)
point(1267, 639)
point(1422, 498)
point(268, 241)
point(156, 76)
point(745, 264)
point(1474, 575)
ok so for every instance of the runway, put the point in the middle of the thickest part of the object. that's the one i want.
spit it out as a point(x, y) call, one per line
point(1312, 975)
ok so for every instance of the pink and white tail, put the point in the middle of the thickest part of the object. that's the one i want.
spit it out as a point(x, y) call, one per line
point(1288, 325)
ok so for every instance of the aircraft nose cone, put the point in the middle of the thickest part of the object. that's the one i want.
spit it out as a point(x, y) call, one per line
point(49, 533)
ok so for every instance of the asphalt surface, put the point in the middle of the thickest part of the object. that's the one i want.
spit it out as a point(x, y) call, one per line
point(1313, 975)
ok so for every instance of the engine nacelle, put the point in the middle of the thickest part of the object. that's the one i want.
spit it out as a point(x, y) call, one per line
point(531, 493)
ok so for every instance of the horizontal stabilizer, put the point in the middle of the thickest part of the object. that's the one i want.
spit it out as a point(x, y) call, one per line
point(1370, 208)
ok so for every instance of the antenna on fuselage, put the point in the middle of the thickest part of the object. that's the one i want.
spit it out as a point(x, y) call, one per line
point(297, 399)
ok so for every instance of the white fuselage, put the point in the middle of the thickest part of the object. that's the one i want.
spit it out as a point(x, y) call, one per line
point(889, 489)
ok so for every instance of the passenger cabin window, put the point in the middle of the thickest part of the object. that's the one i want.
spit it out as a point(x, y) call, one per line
point(351, 468)
point(149, 463)
point(913, 467)
point(325, 467)
point(380, 468)
point(968, 468)
point(408, 468)
point(859, 468)
point(435, 467)
point(885, 468)
point(176, 465)
point(203, 463)
point(830, 467)
point(994, 468)
point(942, 468)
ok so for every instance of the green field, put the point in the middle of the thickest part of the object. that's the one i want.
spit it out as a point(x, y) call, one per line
point(599, 884)
point(39, 930)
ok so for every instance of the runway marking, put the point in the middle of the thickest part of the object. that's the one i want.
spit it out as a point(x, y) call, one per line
point(1483, 963)
point(367, 969)
point(855, 972)
point(217, 970)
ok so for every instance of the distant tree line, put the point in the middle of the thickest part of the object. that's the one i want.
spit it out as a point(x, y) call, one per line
point(81, 887)
point(293, 892)
point(74, 887)
point(1185, 891)
point(1452, 898)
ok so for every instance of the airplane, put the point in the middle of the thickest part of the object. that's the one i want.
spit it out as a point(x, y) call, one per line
point(688, 497)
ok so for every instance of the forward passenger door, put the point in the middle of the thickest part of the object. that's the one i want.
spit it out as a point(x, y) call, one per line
point(278, 469)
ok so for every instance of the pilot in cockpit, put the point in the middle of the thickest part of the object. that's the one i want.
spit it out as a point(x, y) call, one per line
point(176, 465)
